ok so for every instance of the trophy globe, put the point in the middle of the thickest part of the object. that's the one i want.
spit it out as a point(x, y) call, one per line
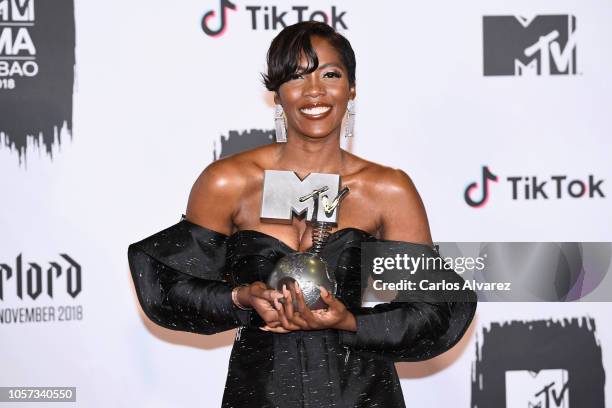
point(308, 268)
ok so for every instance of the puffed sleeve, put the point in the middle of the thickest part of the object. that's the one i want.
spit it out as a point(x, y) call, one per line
point(179, 275)
point(415, 326)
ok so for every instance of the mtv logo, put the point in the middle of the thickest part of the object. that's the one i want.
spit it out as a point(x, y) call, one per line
point(282, 191)
point(542, 389)
point(540, 45)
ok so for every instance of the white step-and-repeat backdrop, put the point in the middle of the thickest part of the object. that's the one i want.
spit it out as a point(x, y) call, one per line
point(109, 111)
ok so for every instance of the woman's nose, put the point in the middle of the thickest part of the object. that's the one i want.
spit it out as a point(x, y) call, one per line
point(313, 86)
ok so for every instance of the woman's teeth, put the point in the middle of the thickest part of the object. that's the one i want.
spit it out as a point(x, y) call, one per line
point(316, 110)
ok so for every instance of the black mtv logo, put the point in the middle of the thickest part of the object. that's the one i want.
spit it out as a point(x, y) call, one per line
point(539, 364)
point(537, 389)
point(542, 45)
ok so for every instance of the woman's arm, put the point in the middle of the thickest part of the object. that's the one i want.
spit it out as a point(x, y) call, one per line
point(215, 197)
point(177, 276)
point(403, 216)
point(419, 329)
point(178, 272)
point(214, 203)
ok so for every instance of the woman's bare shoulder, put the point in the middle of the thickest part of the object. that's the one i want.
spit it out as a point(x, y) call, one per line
point(397, 201)
point(217, 192)
point(380, 178)
point(232, 172)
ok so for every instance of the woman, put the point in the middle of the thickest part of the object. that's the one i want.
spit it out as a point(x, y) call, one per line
point(342, 356)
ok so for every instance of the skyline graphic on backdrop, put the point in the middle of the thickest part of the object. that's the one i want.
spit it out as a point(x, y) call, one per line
point(37, 63)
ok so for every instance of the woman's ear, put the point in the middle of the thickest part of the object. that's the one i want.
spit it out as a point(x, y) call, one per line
point(352, 92)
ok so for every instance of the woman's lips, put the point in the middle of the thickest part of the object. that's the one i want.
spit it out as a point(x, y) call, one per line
point(315, 112)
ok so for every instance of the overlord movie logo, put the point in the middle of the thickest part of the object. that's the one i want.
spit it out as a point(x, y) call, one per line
point(33, 279)
point(37, 60)
point(534, 187)
point(215, 22)
point(539, 45)
point(33, 292)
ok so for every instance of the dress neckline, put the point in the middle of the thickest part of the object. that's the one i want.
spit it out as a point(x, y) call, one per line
point(331, 238)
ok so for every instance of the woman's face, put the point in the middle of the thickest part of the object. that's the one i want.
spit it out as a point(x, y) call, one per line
point(315, 103)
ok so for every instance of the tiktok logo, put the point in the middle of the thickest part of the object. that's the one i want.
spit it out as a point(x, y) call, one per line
point(538, 187)
point(487, 176)
point(225, 4)
point(270, 18)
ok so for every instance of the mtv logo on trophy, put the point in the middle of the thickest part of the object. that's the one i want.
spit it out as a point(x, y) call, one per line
point(538, 45)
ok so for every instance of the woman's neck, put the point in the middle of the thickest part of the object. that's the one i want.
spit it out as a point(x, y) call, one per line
point(305, 156)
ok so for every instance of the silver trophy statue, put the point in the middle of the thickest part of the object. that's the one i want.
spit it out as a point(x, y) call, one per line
point(308, 268)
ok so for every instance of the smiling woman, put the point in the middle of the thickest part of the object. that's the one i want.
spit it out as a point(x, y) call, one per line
point(206, 274)
point(315, 97)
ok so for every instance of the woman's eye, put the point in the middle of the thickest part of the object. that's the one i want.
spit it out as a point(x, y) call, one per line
point(332, 74)
point(295, 76)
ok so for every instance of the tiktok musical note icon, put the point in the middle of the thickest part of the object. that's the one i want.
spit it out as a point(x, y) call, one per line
point(486, 177)
point(225, 4)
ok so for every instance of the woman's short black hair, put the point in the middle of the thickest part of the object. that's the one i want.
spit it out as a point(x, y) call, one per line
point(293, 41)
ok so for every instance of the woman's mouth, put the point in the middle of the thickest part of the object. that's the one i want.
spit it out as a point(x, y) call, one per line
point(315, 112)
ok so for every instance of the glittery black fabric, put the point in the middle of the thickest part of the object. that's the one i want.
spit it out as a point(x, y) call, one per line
point(184, 276)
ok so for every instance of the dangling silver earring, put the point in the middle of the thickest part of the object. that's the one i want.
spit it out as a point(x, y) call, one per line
point(279, 124)
point(350, 119)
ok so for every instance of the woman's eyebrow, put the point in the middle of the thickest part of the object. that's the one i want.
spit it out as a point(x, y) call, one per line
point(329, 64)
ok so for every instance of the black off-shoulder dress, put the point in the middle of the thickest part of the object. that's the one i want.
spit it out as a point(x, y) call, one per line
point(184, 277)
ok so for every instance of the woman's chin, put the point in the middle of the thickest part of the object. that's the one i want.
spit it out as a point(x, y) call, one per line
point(321, 133)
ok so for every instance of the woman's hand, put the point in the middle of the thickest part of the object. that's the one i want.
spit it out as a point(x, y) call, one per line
point(336, 316)
point(259, 297)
